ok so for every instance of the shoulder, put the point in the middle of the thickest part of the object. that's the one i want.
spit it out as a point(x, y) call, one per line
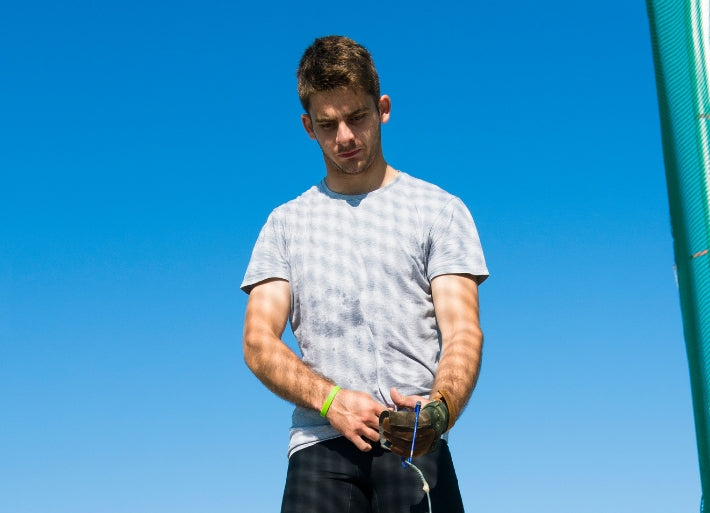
point(418, 188)
point(303, 201)
point(427, 198)
point(414, 183)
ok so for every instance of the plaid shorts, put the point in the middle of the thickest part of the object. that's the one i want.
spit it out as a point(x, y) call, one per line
point(334, 476)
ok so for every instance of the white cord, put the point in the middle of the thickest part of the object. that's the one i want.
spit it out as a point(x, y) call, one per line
point(425, 486)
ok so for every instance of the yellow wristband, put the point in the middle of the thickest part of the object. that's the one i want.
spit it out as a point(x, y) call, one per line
point(329, 401)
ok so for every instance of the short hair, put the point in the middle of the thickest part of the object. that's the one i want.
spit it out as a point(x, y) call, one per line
point(332, 62)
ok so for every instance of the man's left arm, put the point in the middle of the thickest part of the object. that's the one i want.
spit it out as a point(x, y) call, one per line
point(455, 299)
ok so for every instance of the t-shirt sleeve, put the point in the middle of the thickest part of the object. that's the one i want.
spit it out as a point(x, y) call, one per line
point(268, 258)
point(455, 247)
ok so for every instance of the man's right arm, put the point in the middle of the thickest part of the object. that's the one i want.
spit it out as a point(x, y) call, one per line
point(354, 414)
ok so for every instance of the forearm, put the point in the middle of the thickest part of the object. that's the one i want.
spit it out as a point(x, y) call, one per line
point(354, 414)
point(283, 372)
point(272, 361)
point(456, 307)
point(459, 367)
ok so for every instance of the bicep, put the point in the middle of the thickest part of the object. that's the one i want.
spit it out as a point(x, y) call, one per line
point(267, 310)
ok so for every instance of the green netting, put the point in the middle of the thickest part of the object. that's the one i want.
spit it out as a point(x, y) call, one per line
point(679, 34)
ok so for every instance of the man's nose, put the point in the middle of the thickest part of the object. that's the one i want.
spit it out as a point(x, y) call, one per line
point(344, 135)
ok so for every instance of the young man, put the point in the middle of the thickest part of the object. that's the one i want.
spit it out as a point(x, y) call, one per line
point(377, 273)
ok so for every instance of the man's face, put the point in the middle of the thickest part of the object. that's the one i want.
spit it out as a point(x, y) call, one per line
point(346, 125)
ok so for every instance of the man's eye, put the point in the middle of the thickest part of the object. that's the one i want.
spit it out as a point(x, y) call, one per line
point(326, 126)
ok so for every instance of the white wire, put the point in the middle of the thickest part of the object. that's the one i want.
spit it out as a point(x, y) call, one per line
point(425, 486)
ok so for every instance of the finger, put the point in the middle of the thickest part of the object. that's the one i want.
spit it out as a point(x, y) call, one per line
point(402, 448)
point(397, 398)
point(404, 452)
point(371, 434)
point(361, 443)
point(375, 417)
point(402, 401)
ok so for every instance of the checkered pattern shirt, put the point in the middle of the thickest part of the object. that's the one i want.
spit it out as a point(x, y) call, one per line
point(359, 269)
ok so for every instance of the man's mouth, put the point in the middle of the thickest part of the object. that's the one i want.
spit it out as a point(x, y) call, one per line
point(348, 154)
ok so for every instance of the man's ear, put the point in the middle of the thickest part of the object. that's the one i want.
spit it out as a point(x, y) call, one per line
point(385, 107)
point(308, 125)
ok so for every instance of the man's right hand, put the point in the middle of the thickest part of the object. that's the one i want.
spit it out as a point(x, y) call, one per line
point(356, 416)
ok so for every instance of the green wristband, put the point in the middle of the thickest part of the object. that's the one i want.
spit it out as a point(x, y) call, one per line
point(329, 401)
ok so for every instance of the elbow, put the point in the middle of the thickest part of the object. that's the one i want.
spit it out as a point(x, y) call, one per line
point(252, 351)
point(474, 336)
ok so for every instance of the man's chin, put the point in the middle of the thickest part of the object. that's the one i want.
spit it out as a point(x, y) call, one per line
point(353, 169)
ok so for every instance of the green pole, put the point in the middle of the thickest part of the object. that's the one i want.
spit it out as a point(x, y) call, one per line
point(680, 36)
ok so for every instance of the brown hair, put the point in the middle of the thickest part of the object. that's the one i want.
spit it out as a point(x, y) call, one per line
point(336, 61)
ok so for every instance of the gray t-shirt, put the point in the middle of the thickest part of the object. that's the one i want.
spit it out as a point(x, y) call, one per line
point(359, 269)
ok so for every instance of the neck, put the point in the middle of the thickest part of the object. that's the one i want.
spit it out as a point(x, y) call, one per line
point(375, 177)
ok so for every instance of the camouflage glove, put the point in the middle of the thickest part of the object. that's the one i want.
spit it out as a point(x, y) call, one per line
point(397, 429)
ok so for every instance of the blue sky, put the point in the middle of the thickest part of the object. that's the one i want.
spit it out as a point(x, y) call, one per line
point(143, 144)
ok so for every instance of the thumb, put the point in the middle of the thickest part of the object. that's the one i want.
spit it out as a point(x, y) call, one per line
point(397, 398)
point(402, 401)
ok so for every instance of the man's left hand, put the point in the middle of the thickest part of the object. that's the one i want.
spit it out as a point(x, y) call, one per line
point(397, 427)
